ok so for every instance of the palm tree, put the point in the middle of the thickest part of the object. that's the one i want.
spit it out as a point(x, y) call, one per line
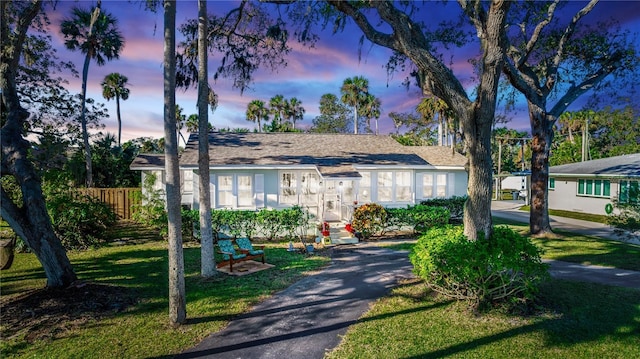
point(371, 108)
point(257, 111)
point(96, 35)
point(206, 97)
point(295, 111)
point(354, 91)
point(432, 107)
point(277, 104)
point(114, 86)
point(177, 297)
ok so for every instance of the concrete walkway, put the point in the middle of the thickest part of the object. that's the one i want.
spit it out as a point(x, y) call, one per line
point(309, 318)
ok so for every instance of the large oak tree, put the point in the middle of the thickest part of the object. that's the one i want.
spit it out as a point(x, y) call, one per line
point(405, 34)
point(29, 217)
point(552, 64)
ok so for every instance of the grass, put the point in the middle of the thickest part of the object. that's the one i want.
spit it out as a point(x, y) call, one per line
point(577, 320)
point(574, 320)
point(575, 215)
point(143, 331)
point(571, 247)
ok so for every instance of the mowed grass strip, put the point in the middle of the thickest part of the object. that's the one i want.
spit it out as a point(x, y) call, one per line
point(576, 248)
point(143, 330)
point(571, 320)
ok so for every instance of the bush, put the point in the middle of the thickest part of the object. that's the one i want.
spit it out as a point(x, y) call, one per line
point(79, 220)
point(426, 217)
point(626, 219)
point(454, 204)
point(505, 268)
point(369, 219)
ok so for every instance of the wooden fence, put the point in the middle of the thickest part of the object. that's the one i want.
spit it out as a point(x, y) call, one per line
point(119, 199)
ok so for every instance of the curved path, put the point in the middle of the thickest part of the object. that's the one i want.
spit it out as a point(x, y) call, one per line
point(310, 317)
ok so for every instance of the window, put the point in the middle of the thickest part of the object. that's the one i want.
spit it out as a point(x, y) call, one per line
point(629, 191)
point(403, 186)
point(245, 191)
point(225, 191)
point(364, 189)
point(234, 191)
point(552, 183)
point(441, 185)
point(385, 186)
point(594, 188)
point(309, 183)
point(298, 187)
point(288, 188)
point(427, 185)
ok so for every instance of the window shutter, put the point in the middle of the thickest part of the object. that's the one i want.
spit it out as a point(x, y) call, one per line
point(419, 186)
point(451, 184)
point(259, 190)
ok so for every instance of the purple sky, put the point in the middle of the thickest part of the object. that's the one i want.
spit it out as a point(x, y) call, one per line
point(310, 73)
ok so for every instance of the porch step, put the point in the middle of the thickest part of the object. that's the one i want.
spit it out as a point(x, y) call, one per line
point(339, 235)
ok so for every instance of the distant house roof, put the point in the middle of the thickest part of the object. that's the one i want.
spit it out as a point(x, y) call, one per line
point(335, 155)
point(147, 161)
point(619, 166)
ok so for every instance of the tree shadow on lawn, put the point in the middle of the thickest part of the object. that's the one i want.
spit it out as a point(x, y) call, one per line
point(570, 313)
point(597, 251)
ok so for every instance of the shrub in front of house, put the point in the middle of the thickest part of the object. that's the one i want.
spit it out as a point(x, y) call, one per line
point(454, 204)
point(505, 268)
point(418, 218)
point(426, 217)
point(369, 220)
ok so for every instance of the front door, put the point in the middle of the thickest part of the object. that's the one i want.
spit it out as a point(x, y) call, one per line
point(332, 201)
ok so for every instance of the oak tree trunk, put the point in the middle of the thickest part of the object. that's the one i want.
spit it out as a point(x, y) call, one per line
point(29, 220)
point(542, 137)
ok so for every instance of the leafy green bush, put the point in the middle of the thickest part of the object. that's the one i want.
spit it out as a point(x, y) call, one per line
point(426, 217)
point(369, 219)
point(78, 220)
point(269, 222)
point(505, 268)
point(454, 204)
point(398, 218)
point(150, 209)
point(190, 224)
point(626, 218)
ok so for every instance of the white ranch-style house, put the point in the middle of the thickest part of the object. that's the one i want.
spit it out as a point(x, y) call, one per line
point(591, 186)
point(327, 174)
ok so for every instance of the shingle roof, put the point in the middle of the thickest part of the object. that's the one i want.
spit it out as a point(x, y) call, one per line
point(332, 153)
point(147, 161)
point(619, 166)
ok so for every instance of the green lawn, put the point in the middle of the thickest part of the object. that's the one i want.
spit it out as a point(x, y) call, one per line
point(143, 331)
point(573, 320)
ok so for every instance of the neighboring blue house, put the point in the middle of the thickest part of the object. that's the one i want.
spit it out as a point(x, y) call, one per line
point(590, 186)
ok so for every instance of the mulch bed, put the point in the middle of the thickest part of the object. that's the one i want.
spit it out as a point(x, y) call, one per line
point(50, 313)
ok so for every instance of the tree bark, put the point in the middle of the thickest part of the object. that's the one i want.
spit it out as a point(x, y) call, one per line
point(542, 133)
point(207, 259)
point(177, 299)
point(30, 220)
point(83, 122)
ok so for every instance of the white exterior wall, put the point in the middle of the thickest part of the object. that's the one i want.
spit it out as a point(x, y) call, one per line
point(266, 194)
point(565, 197)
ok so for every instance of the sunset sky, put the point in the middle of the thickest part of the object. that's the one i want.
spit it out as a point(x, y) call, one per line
point(310, 73)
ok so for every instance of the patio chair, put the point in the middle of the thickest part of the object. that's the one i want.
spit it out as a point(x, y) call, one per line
point(229, 254)
point(247, 248)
